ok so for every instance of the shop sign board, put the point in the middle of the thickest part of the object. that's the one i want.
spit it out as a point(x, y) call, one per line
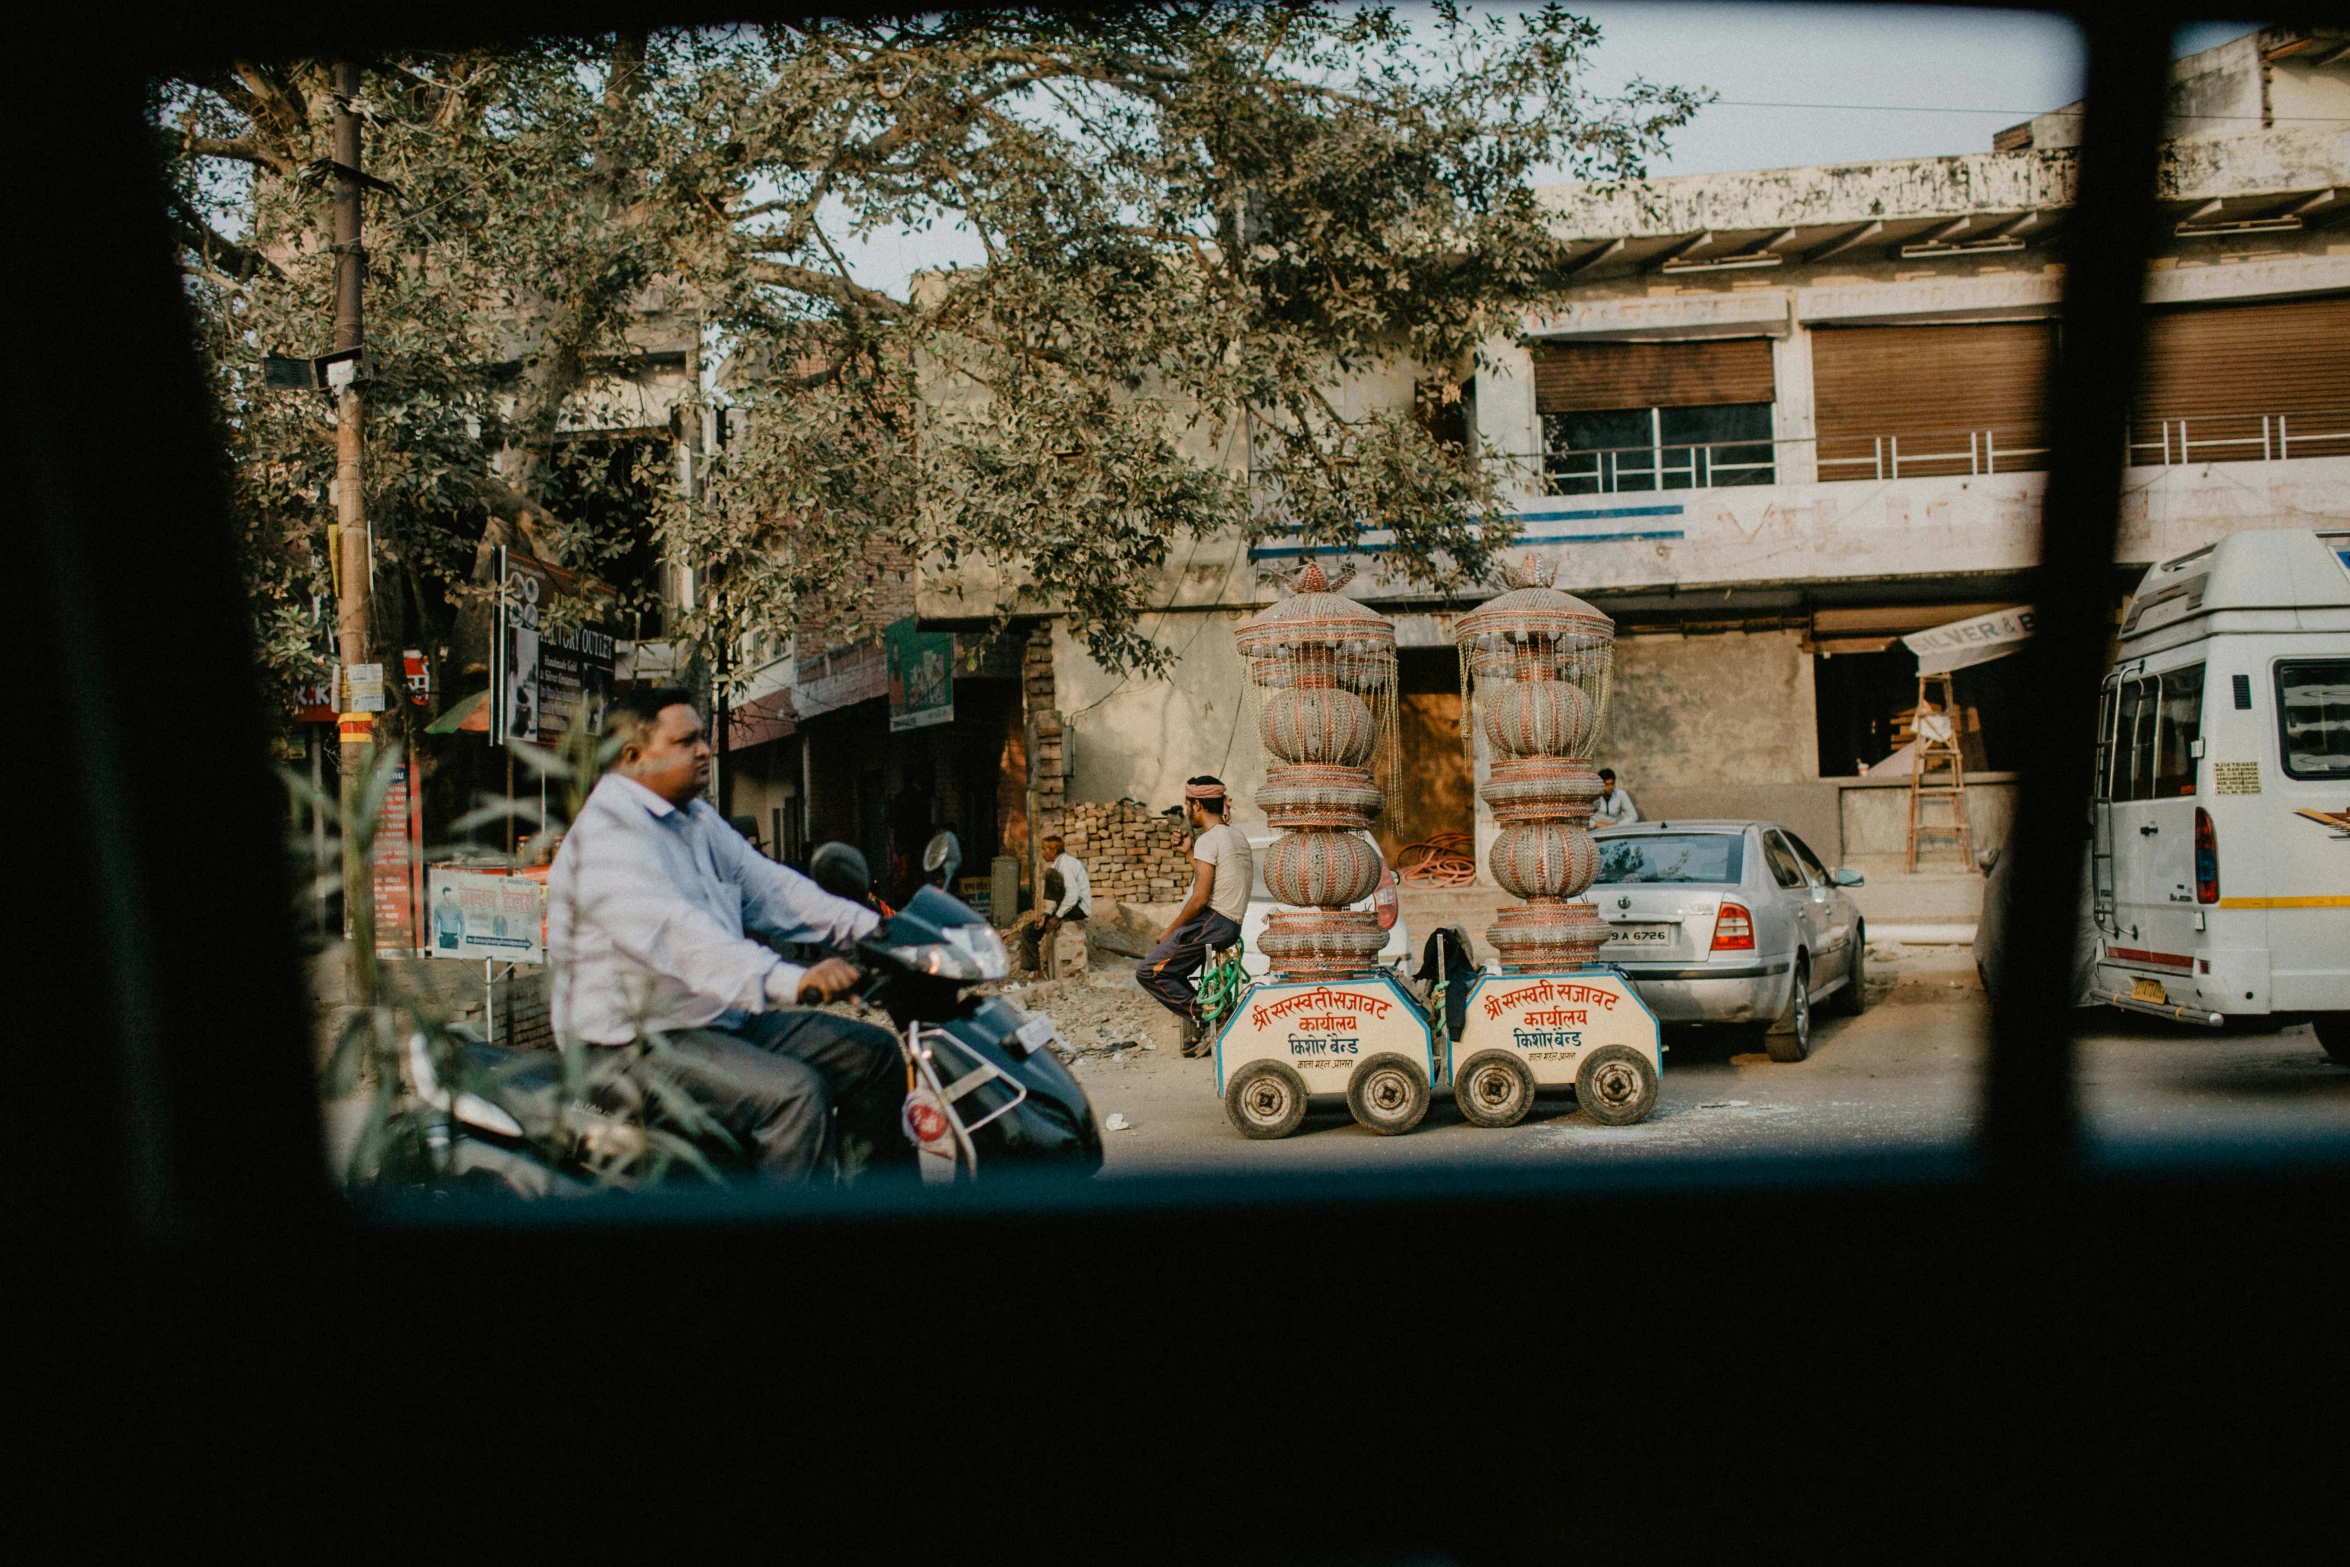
point(1976, 640)
point(543, 668)
point(1324, 1030)
point(921, 675)
point(395, 873)
point(1550, 1021)
point(476, 916)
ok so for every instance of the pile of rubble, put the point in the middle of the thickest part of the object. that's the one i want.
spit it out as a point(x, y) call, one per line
point(1096, 1019)
point(1130, 855)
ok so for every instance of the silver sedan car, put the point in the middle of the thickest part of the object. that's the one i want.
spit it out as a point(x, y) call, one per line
point(1727, 922)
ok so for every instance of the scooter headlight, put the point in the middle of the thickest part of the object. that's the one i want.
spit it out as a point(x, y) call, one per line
point(970, 952)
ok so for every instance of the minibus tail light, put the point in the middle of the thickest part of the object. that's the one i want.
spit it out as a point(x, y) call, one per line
point(2206, 858)
point(1733, 928)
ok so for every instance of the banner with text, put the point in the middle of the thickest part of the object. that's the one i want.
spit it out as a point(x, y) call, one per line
point(479, 916)
point(550, 656)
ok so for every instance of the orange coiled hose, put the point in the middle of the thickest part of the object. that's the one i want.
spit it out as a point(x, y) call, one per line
point(1447, 860)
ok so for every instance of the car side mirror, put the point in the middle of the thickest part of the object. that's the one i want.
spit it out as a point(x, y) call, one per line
point(1847, 877)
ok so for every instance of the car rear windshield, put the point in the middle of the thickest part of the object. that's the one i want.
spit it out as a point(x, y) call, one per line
point(1694, 856)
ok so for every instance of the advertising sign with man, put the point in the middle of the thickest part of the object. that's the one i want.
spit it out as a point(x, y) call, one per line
point(549, 656)
point(479, 916)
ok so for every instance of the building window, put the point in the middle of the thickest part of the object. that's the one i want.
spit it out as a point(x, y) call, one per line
point(1603, 452)
point(1654, 416)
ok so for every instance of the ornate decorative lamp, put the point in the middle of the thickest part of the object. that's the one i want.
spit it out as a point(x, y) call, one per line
point(1535, 665)
point(1324, 668)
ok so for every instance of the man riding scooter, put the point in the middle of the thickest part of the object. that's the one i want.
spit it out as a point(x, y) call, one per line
point(649, 903)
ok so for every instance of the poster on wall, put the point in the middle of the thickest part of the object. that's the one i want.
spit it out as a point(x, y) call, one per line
point(475, 916)
point(921, 675)
point(544, 666)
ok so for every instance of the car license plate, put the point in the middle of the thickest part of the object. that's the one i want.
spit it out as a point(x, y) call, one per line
point(1641, 936)
point(2149, 990)
point(1034, 1034)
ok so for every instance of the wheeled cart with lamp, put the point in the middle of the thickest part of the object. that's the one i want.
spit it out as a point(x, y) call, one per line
point(1329, 1021)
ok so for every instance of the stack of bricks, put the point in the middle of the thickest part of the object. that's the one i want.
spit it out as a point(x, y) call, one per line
point(1130, 855)
point(1045, 757)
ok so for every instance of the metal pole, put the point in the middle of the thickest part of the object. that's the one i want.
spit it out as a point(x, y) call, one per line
point(354, 596)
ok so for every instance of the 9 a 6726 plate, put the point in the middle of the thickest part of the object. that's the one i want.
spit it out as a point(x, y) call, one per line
point(1642, 935)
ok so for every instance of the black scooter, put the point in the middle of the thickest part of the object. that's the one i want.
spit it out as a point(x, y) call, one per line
point(982, 1081)
point(982, 1084)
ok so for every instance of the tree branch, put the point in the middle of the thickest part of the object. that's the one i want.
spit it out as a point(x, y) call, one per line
point(807, 280)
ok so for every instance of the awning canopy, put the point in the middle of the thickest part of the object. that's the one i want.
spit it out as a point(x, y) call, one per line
point(1975, 640)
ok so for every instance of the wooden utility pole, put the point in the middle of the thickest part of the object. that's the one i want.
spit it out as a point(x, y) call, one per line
point(354, 559)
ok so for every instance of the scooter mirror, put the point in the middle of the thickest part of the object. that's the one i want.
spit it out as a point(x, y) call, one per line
point(941, 860)
point(840, 870)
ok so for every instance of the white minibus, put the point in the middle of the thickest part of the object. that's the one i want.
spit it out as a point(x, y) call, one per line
point(2221, 857)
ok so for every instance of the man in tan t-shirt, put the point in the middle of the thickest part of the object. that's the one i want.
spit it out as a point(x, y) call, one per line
point(1222, 871)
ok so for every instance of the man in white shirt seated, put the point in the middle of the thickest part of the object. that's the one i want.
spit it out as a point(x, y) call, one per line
point(1615, 807)
point(648, 905)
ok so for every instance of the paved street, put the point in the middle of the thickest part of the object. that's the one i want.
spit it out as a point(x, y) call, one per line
point(1903, 1076)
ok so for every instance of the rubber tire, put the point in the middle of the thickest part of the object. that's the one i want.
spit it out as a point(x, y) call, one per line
point(1613, 1108)
point(1388, 1120)
point(1789, 1039)
point(1490, 1069)
point(2333, 1036)
point(1280, 1103)
point(1853, 999)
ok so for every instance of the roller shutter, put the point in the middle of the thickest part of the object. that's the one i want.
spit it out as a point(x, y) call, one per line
point(2288, 357)
point(1884, 380)
point(1592, 377)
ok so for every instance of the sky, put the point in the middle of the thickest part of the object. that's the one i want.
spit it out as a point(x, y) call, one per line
point(1869, 83)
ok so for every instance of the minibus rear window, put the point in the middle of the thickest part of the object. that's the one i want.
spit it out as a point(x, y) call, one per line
point(2313, 717)
point(2182, 722)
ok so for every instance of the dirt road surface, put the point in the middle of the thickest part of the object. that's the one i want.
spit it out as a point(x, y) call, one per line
point(1903, 1077)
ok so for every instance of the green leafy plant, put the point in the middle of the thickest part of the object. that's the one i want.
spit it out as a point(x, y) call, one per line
point(605, 1117)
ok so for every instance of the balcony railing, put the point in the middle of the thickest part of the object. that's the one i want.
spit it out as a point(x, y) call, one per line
point(1925, 454)
point(2240, 438)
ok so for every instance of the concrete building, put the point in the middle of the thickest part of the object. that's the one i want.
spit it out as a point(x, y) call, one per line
point(1783, 417)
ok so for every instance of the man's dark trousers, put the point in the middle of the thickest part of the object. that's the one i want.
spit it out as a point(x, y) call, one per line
point(774, 1079)
point(1167, 972)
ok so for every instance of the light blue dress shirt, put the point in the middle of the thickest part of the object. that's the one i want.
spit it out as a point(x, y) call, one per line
point(647, 906)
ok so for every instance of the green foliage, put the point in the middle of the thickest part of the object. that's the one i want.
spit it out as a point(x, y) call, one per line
point(612, 1117)
point(1198, 219)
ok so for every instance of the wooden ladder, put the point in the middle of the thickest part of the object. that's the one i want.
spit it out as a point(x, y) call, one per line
point(1938, 780)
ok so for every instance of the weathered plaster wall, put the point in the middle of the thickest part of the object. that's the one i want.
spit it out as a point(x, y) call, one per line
point(1137, 738)
point(1692, 711)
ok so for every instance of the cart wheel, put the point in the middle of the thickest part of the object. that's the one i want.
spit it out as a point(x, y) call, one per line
point(1494, 1088)
point(1616, 1085)
point(1388, 1094)
point(1265, 1099)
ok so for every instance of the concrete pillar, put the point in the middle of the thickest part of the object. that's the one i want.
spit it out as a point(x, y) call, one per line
point(1794, 420)
point(1509, 432)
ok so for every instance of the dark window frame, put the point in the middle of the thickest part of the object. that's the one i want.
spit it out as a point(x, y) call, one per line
point(2280, 681)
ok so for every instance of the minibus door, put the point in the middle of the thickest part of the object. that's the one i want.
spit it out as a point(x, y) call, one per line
point(2101, 838)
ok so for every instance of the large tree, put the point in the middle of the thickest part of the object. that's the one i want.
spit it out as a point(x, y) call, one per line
point(1196, 220)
